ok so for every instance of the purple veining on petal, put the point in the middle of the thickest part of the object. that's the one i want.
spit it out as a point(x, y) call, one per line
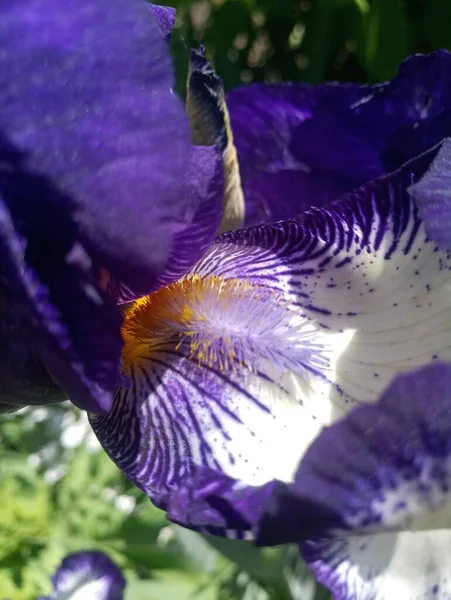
point(201, 402)
point(384, 565)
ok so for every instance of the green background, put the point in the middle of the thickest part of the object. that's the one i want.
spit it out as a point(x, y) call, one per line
point(309, 40)
point(59, 496)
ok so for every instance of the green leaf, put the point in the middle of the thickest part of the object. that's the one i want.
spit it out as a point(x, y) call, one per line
point(170, 585)
point(387, 42)
point(436, 23)
point(197, 548)
point(259, 562)
point(334, 28)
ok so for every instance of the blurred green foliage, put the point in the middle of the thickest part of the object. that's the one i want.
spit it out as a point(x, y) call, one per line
point(308, 40)
point(57, 499)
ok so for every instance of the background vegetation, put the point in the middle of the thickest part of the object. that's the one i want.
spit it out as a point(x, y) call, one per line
point(60, 493)
point(309, 40)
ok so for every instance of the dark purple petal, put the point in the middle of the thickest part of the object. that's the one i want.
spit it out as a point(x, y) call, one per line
point(165, 16)
point(264, 118)
point(191, 237)
point(271, 196)
point(267, 121)
point(90, 575)
point(340, 135)
point(54, 313)
point(92, 145)
point(211, 502)
point(86, 103)
point(433, 196)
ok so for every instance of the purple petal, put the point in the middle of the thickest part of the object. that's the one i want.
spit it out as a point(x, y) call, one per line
point(384, 468)
point(273, 196)
point(276, 182)
point(339, 136)
point(202, 196)
point(278, 331)
point(165, 16)
point(86, 103)
point(88, 575)
point(433, 196)
point(93, 142)
point(213, 503)
point(56, 315)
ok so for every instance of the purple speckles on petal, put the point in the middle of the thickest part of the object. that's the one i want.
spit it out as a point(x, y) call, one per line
point(202, 354)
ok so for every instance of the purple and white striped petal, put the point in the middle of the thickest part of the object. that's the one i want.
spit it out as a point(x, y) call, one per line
point(386, 467)
point(278, 331)
point(433, 196)
point(88, 576)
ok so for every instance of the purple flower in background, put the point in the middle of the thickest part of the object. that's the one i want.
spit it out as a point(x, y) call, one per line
point(287, 380)
point(88, 575)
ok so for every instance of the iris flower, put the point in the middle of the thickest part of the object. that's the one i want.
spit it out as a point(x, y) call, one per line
point(88, 575)
point(288, 381)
